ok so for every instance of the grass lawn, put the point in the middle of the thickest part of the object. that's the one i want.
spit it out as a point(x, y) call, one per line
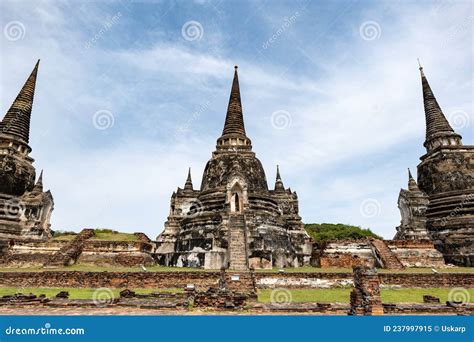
point(307, 295)
point(111, 236)
point(155, 268)
point(89, 268)
point(75, 293)
point(66, 237)
point(410, 295)
point(416, 295)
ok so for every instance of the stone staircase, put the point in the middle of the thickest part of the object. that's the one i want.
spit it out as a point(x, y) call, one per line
point(69, 253)
point(237, 243)
point(383, 254)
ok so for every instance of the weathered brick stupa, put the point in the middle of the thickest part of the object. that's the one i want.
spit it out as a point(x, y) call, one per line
point(441, 205)
point(234, 220)
point(25, 209)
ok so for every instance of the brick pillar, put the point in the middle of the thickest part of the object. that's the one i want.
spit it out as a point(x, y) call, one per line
point(365, 297)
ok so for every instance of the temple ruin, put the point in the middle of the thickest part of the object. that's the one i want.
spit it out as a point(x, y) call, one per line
point(441, 205)
point(234, 220)
point(25, 209)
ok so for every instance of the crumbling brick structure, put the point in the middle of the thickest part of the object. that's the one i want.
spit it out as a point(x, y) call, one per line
point(365, 297)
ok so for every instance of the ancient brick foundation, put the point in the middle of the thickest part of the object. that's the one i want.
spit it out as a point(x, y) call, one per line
point(386, 254)
point(365, 297)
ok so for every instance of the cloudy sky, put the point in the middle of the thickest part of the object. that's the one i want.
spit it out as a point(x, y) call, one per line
point(131, 93)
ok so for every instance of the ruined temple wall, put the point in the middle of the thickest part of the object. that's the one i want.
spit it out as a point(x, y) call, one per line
point(345, 254)
point(204, 280)
point(350, 253)
point(416, 253)
point(116, 253)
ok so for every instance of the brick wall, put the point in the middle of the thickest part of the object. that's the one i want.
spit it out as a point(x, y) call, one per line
point(204, 280)
point(428, 280)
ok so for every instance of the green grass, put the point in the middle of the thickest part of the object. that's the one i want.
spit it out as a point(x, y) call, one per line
point(113, 236)
point(306, 295)
point(409, 295)
point(66, 237)
point(90, 268)
point(416, 295)
point(74, 293)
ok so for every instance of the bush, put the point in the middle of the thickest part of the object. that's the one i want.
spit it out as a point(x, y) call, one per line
point(57, 233)
point(329, 231)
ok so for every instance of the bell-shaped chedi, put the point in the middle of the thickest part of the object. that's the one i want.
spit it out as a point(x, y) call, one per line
point(234, 220)
point(443, 196)
point(25, 209)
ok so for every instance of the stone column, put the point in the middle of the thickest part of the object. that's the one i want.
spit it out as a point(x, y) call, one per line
point(365, 297)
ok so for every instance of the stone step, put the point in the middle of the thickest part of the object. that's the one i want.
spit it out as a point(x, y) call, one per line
point(237, 243)
point(388, 258)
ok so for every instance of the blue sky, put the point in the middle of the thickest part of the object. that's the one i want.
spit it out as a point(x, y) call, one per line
point(131, 93)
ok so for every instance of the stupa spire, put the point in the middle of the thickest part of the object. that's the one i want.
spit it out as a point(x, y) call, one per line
point(279, 183)
point(39, 183)
point(17, 120)
point(233, 136)
point(411, 182)
point(438, 130)
point(189, 183)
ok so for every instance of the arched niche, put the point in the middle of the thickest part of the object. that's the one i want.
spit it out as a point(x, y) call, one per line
point(237, 195)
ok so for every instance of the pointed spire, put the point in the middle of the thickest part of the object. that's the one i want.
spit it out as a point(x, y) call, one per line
point(233, 136)
point(411, 182)
point(234, 121)
point(17, 120)
point(39, 183)
point(279, 183)
point(438, 129)
point(189, 183)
